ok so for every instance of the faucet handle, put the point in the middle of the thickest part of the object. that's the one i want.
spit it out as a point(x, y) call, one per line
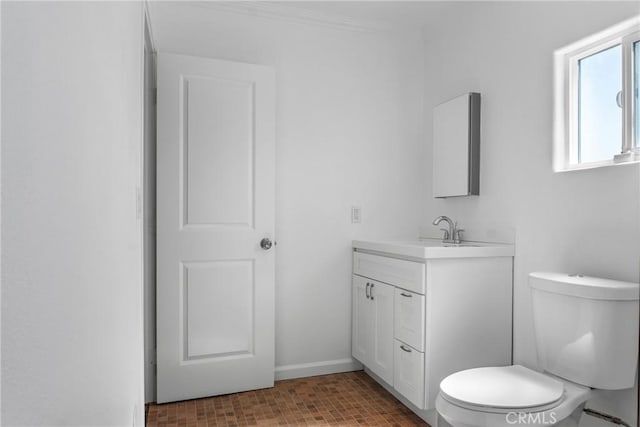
point(456, 235)
point(446, 234)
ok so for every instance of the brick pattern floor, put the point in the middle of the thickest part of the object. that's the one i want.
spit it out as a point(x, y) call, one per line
point(349, 399)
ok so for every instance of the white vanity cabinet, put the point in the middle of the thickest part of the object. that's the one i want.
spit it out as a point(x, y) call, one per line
point(430, 316)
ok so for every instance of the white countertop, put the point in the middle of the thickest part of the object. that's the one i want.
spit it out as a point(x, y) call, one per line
point(432, 248)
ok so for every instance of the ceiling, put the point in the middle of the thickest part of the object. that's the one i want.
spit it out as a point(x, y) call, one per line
point(363, 14)
point(395, 14)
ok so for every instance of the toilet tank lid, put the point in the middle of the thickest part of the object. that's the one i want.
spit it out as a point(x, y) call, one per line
point(584, 286)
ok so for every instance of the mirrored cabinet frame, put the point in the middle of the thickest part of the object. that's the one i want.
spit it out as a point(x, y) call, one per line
point(456, 147)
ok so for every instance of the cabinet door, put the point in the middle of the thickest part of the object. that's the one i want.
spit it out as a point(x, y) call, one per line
point(456, 147)
point(409, 373)
point(409, 318)
point(361, 325)
point(381, 301)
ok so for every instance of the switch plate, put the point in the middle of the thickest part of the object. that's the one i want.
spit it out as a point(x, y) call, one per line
point(356, 215)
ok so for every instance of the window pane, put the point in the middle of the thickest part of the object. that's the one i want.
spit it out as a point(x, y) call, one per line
point(636, 90)
point(600, 117)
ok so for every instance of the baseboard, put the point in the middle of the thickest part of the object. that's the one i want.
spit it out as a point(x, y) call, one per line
point(326, 367)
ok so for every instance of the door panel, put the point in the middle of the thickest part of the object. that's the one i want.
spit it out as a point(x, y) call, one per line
point(218, 142)
point(362, 339)
point(215, 202)
point(381, 296)
point(219, 308)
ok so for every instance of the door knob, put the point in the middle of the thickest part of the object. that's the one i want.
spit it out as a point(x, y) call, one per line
point(266, 243)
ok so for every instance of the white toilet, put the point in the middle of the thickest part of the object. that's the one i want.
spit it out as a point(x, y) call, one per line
point(586, 337)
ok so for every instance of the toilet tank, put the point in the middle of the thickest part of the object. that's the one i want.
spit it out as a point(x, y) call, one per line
point(586, 328)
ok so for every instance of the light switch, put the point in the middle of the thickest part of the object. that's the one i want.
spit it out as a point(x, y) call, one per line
point(356, 214)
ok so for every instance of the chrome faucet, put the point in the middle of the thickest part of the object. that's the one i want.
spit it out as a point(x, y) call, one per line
point(452, 235)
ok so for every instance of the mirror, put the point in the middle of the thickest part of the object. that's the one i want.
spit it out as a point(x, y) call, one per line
point(456, 147)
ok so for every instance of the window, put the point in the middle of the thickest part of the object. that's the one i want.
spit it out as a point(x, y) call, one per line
point(636, 89)
point(597, 105)
point(599, 122)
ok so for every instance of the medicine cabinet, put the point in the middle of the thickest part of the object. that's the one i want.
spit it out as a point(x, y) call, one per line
point(456, 147)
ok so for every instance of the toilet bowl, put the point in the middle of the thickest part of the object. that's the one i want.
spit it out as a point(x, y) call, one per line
point(578, 321)
point(507, 396)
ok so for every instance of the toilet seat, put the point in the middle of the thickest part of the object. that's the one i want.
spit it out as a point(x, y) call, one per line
point(451, 405)
point(502, 389)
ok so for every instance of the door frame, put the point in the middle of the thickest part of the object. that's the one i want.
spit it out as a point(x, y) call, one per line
point(147, 174)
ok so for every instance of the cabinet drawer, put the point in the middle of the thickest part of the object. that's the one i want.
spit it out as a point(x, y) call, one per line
point(409, 318)
point(408, 373)
point(406, 274)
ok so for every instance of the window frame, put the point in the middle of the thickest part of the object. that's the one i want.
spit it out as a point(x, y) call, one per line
point(628, 89)
point(566, 90)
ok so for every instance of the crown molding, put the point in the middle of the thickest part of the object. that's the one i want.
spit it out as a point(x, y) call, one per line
point(288, 13)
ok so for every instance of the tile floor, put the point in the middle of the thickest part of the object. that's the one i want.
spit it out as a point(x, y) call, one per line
point(349, 399)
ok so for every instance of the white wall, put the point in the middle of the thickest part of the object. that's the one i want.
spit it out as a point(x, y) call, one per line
point(585, 221)
point(71, 244)
point(349, 121)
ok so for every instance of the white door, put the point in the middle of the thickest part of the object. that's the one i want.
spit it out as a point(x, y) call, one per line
point(381, 300)
point(215, 204)
point(372, 326)
point(361, 333)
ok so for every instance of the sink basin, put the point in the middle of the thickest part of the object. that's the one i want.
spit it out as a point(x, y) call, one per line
point(433, 248)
